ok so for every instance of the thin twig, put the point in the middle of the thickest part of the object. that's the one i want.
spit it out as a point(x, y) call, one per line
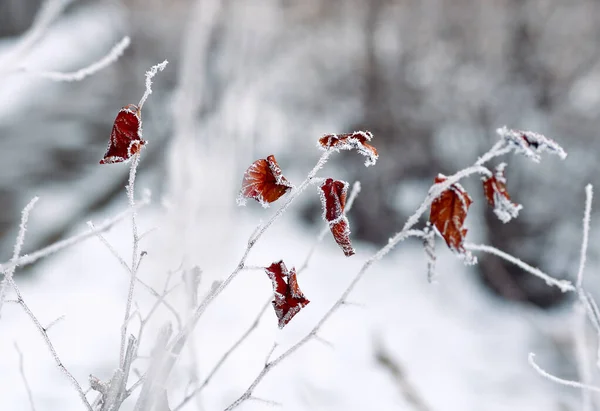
point(134, 259)
point(558, 380)
point(24, 378)
point(8, 273)
point(149, 76)
point(113, 55)
point(50, 346)
point(47, 14)
point(563, 285)
point(589, 194)
point(68, 242)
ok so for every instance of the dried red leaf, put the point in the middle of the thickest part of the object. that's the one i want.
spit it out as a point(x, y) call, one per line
point(333, 198)
point(352, 141)
point(494, 189)
point(448, 214)
point(289, 300)
point(125, 137)
point(264, 182)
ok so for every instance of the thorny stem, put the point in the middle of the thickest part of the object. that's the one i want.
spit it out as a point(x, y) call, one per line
point(406, 232)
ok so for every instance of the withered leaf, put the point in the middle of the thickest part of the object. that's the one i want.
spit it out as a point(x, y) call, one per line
point(494, 189)
point(125, 137)
point(448, 214)
point(264, 182)
point(288, 299)
point(357, 140)
point(333, 200)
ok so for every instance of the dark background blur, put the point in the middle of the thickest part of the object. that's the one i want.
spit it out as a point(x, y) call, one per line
point(431, 79)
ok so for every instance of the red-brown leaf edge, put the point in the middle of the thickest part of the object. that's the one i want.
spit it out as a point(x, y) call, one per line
point(288, 299)
point(125, 137)
point(494, 189)
point(264, 182)
point(448, 214)
point(357, 140)
point(333, 199)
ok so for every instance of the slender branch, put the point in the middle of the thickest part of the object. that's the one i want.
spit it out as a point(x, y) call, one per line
point(589, 194)
point(149, 76)
point(48, 13)
point(134, 258)
point(24, 378)
point(579, 326)
point(224, 358)
point(76, 239)
point(569, 383)
point(563, 285)
point(50, 346)
point(112, 56)
point(8, 274)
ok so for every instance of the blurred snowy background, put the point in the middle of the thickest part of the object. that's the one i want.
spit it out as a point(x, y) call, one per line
point(431, 79)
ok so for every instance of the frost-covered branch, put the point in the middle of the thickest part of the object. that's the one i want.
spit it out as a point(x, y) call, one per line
point(8, 272)
point(563, 285)
point(135, 257)
point(76, 239)
point(48, 13)
point(149, 76)
point(112, 56)
point(21, 301)
point(569, 383)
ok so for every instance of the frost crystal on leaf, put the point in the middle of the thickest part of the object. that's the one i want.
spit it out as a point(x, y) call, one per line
point(333, 199)
point(125, 137)
point(530, 144)
point(429, 247)
point(288, 299)
point(351, 141)
point(448, 215)
point(264, 182)
point(494, 188)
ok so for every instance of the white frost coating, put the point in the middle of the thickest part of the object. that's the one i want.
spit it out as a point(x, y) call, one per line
point(277, 173)
point(8, 274)
point(504, 209)
point(558, 380)
point(429, 246)
point(530, 144)
point(113, 55)
point(256, 178)
point(563, 285)
point(351, 142)
point(149, 76)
